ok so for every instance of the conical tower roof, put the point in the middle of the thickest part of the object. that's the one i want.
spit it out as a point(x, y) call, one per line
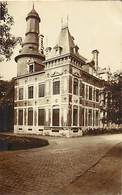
point(32, 14)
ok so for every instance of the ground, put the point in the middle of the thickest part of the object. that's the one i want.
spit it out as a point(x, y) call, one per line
point(68, 166)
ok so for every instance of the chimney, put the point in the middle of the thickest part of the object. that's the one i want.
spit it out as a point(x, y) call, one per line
point(95, 58)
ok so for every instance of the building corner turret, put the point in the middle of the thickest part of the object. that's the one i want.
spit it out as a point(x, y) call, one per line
point(30, 57)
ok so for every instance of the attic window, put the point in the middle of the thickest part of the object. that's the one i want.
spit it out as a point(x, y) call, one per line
point(76, 48)
point(48, 49)
point(58, 49)
point(71, 49)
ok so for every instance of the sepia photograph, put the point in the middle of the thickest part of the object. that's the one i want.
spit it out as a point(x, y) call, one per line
point(61, 97)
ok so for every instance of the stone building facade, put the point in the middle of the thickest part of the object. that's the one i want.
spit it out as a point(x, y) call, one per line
point(57, 92)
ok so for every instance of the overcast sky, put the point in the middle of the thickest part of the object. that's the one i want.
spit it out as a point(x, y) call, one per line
point(93, 24)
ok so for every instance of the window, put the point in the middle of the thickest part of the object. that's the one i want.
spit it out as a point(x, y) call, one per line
point(83, 88)
point(31, 68)
point(71, 49)
point(15, 117)
point(15, 93)
point(41, 117)
point(30, 116)
point(97, 118)
point(76, 86)
point(93, 117)
point(20, 117)
point(30, 92)
point(81, 116)
point(97, 95)
point(42, 90)
point(80, 88)
point(55, 117)
point(90, 117)
point(86, 92)
point(90, 93)
point(70, 84)
point(56, 87)
point(25, 113)
point(93, 94)
point(86, 117)
point(75, 116)
point(20, 93)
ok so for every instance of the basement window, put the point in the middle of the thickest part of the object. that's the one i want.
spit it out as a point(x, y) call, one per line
point(29, 129)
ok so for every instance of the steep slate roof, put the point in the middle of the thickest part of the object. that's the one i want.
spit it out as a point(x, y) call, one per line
point(65, 40)
point(65, 43)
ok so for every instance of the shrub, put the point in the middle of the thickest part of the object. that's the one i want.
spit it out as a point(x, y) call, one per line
point(100, 131)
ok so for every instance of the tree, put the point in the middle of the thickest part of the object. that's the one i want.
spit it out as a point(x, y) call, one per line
point(113, 99)
point(6, 105)
point(7, 40)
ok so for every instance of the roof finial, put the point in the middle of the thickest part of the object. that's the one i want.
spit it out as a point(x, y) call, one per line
point(33, 5)
point(67, 20)
point(62, 22)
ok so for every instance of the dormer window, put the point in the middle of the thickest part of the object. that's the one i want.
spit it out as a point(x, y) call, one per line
point(76, 49)
point(48, 50)
point(71, 49)
point(58, 49)
point(31, 68)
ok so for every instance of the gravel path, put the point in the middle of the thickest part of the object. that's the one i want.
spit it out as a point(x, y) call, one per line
point(48, 170)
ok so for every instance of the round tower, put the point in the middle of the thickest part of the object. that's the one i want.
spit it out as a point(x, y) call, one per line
point(30, 58)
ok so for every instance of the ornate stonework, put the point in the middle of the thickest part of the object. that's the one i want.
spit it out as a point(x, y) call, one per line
point(55, 94)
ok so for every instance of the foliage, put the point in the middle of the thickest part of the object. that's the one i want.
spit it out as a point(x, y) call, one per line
point(113, 93)
point(100, 131)
point(7, 40)
point(6, 105)
point(6, 92)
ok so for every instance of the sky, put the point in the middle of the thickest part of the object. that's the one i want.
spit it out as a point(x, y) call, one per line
point(93, 24)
